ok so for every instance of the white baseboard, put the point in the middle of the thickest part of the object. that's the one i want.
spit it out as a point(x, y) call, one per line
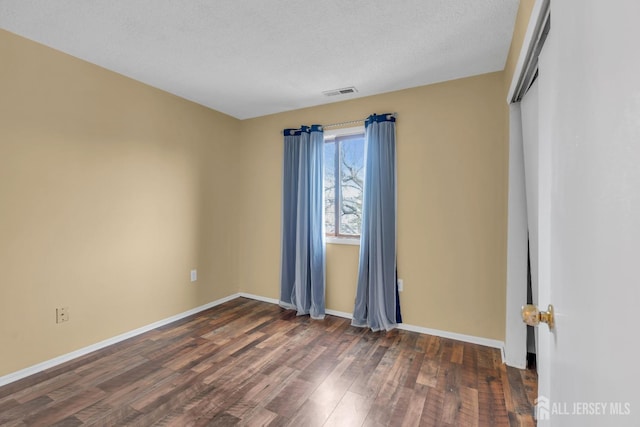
point(15, 376)
point(258, 298)
point(514, 364)
point(277, 302)
point(455, 336)
point(443, 334)
point(339, 314)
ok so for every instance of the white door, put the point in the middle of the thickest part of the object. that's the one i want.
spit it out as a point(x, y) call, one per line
point(589, 214)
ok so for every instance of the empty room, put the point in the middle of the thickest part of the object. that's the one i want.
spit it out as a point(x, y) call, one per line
point(416, 213)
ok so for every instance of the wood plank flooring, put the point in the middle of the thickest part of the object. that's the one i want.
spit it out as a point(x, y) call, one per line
point(255, 364)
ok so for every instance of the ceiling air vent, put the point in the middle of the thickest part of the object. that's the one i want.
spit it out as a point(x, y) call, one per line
point(343, 91)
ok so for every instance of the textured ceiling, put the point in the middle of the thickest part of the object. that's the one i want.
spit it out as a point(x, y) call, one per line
point(249, 58)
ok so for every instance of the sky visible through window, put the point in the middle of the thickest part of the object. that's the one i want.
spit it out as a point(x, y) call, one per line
point(344, 158)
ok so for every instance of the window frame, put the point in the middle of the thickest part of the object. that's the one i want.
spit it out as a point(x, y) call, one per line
point(332, 136)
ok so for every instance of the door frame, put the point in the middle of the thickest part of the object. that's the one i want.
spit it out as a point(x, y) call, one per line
point(515, 349)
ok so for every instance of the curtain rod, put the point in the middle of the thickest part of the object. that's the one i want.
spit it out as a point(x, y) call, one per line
point(350, 122)
point(332, 125)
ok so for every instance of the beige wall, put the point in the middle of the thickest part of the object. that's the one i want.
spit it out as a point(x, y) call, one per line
point(110, 192)
point(452, 171)
point(452, 199)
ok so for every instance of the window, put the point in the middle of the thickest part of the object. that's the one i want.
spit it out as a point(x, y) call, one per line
point(343, 182)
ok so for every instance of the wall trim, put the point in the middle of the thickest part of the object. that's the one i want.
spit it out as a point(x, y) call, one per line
point(259, 298)
point(411, 328)
point(471, 339)
point(277, 302)
point(34, 369)
point(339, 313)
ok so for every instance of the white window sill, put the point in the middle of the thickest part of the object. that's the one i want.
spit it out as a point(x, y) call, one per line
point(343, 241)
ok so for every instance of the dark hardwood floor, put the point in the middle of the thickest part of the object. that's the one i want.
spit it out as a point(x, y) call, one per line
point(253, 363)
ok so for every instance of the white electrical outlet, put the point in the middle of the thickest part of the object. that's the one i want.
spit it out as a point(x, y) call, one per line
point(400, 285)
point(194, 275)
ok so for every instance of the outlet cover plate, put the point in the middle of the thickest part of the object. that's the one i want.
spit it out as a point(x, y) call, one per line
point(62, 314)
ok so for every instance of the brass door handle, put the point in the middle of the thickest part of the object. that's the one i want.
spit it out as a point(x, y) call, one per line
point(532, 316)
